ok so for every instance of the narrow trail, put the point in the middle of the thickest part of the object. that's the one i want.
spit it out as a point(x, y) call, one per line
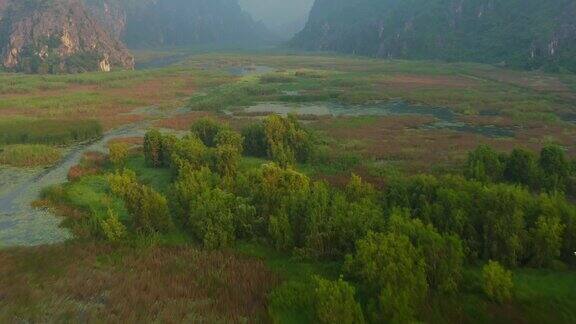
point(23, 225)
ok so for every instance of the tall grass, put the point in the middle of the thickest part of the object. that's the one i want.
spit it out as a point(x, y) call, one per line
point(29, 155)
point(47, 131)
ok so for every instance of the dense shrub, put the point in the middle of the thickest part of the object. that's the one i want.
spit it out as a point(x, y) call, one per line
point(149, 209)
point(207, 129)
point(118, 153)
point(287, 141)
point(216, 217)
point(497, 282)
point(444, 254)
point(112, 228)
point(551, 171)
point(394, 273)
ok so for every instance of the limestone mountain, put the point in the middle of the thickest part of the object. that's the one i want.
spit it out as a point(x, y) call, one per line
point(51, 36)
point(528, 34)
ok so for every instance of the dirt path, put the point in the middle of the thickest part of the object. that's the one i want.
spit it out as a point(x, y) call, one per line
point(23, 225)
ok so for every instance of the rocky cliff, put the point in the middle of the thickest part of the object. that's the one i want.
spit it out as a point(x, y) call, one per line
point(51, 36)
point(521, 33)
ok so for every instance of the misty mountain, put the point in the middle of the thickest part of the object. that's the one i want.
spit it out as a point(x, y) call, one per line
point(519, 33)
point(156, 23)
point(284, 18)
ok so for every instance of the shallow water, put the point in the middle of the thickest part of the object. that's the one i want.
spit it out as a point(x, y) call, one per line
point(445, 117)
point(249, 70)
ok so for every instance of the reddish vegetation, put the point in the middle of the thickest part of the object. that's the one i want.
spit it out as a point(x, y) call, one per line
point(500, 121)
point(135, 141)
point(398, 139)
point(96, 282)
point(527, 79)
point(182, 122)
point(92, 163)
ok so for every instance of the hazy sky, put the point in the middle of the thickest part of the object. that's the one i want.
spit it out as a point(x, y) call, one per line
point(277, 12)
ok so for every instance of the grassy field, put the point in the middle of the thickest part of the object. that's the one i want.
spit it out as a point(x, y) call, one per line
point(169, 277)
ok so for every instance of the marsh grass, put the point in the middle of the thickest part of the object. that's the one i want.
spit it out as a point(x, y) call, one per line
point(29, 155)
point(92, 282)
point(466, 88)
point(47, 131)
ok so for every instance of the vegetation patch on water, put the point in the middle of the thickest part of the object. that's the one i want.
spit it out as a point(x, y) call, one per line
point(29, 155)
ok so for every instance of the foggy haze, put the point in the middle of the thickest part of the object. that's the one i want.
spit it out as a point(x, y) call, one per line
point(284, 17)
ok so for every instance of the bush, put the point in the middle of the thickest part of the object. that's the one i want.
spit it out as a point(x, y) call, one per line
point(118, 154)
point(497, 282)
point(335, 302)
point(112, 229)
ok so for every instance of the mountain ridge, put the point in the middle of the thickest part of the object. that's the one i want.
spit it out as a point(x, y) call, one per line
point(526, 34)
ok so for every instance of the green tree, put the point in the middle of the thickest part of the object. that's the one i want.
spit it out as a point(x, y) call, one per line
point(230, 138)
point(393, 270)
point(255, 142)
point(207, 129)
point(502, 209)
point(555, 167)
point(287, 141)
point(484, 164)
point(521, 168)
point(497, 282)
point(188, 186)
point(226, 160)
point(444, 254)
point(212, 218)
point(335, 302)
point(189, 152)
point(548, 232)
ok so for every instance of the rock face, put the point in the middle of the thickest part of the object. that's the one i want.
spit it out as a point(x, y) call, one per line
point(527, 34)
point(156, 23)
point(51, 36)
